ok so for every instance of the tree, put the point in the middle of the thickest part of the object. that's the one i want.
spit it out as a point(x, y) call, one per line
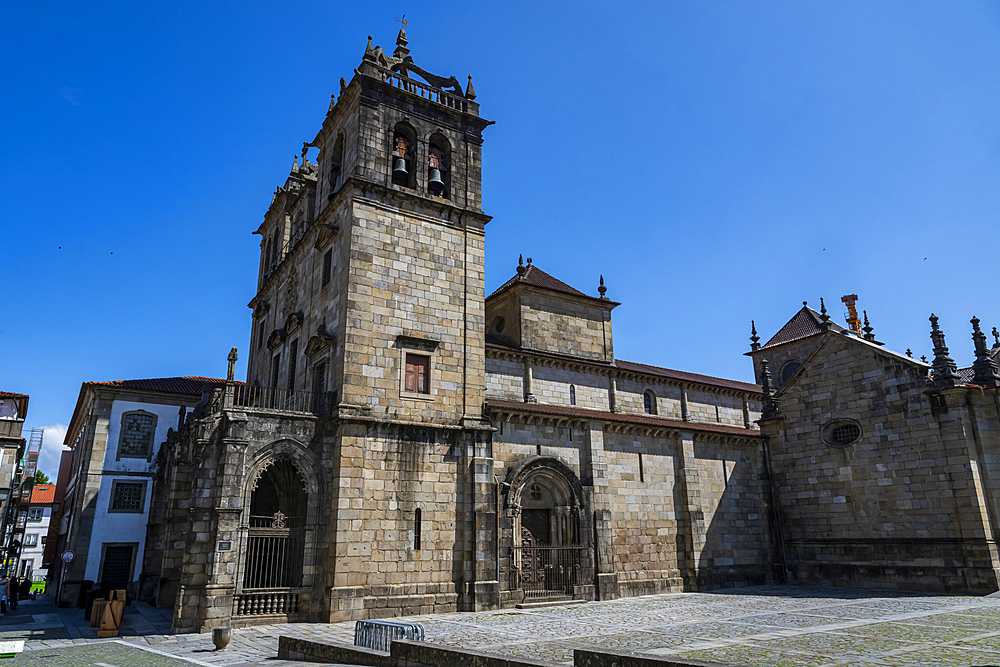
point(41, 478)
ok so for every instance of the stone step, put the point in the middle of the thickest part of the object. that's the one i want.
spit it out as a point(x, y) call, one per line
point(538, 603)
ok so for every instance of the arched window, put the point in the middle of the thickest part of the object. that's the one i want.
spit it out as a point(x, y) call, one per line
point(572, 395)
point(788, 370)
point(649, 402)
point(336, 165)
point(438, 166)
point(403, 151)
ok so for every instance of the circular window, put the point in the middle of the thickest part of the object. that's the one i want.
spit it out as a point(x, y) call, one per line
point(841, 433)
point(788, 370)
point(498, 324)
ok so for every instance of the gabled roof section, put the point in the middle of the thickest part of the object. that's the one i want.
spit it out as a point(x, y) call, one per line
point(803, 324)
point(535, 277)
point(190, 386)
point(43, 494)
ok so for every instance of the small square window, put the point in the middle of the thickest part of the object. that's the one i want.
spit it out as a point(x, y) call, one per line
point(418, 377)
point(31, 540)
point(35, 513)
point(327, 266)
point(128, 496)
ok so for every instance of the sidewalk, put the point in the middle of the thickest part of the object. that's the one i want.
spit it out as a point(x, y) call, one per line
point(41, 620)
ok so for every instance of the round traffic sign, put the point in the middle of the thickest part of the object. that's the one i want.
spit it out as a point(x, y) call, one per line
point(68, 556)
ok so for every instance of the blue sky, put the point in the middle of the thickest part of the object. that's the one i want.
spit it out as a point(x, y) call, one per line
point(717, 162)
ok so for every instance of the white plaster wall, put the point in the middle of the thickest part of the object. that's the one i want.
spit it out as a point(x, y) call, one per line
point(40, 528)
point(125, 527)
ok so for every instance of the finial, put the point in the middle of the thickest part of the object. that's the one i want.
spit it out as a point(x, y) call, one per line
point(769, 409)
point(343, 86)
point(825, 323)
point(295, 165)
point(470, 92)
point(996, 337)
point(868, 328)
point(923, 358)
point(909, 353)
point(945, 370)
point(805, 303)
point(369, 51)
point(754, 338)
point(521, 268)
point(602, 289)
point(985, 371)
point(333, 103)
point(232, 365)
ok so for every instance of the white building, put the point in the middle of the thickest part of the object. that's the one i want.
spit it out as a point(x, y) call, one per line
point(38, 515)
point(115, 434)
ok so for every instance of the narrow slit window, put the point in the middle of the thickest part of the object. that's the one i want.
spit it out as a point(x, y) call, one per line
point(572, 395)
point(293, 355)
point(327, 266)
point(416, 530)
point(642, 474)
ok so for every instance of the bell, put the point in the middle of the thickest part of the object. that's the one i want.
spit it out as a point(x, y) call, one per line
point(399, 171)
point(434, 183)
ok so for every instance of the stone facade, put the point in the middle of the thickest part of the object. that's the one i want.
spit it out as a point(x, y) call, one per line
point(902, 496)
point(406, 444)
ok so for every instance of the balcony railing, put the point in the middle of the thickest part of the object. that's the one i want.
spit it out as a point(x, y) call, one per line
point(275, 601)
point(284, 400)
point(397, 80)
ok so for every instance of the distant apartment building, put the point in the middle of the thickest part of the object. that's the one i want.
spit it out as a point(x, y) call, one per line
point(13, 409)
point(38, 516)
point(114, 436)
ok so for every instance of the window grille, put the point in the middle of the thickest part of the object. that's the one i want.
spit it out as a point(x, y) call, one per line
point(128, 496)
point(136, 438)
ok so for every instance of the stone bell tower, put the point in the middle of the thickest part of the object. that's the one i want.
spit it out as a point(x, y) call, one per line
point(357, 448)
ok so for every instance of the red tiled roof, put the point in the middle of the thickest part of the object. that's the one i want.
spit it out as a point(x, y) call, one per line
point(687, 377)
point(10, 394)
point(535, 277)
point(43, 493)
point(189, 386)
point(805, 323)
point(600, 415)
point(683, 376)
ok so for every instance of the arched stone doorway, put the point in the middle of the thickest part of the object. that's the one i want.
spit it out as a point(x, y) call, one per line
point(277, 537)
point(547, 531)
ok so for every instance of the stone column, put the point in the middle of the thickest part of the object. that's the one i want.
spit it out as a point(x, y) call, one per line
point(692, 512)
point(486, 585)
point(594, 477)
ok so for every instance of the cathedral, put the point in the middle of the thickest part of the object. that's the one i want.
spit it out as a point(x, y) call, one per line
point(405, 443)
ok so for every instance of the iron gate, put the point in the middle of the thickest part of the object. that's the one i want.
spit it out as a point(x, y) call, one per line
point(544, 571)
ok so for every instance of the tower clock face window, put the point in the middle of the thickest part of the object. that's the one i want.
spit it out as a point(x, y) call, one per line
point(417, 378)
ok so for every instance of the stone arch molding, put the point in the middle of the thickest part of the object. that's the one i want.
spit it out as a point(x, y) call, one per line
point(303, 458)
point(560, 480)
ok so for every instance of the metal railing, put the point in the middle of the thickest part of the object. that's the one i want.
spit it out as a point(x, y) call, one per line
point(379, 635)
point(274, 559)
point(545, 571)
point(283, 601)
point(275, 398)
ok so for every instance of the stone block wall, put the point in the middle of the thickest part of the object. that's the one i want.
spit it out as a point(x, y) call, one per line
point(901, 506)
point(414, 280)
point(565, 325)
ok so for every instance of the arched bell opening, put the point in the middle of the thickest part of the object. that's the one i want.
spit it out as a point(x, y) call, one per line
point(403, 153)
point(548, 530)
point(438, 166)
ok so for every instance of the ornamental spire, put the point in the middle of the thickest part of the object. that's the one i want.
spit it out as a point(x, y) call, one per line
point(945, 370)
point(984, 369)
point(868, 328)
point(601, 288)
point(770, 403)
point(754, 338)
point(825, 324)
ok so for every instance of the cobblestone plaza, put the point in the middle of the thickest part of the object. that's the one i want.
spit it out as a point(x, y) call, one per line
point(768, 625)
